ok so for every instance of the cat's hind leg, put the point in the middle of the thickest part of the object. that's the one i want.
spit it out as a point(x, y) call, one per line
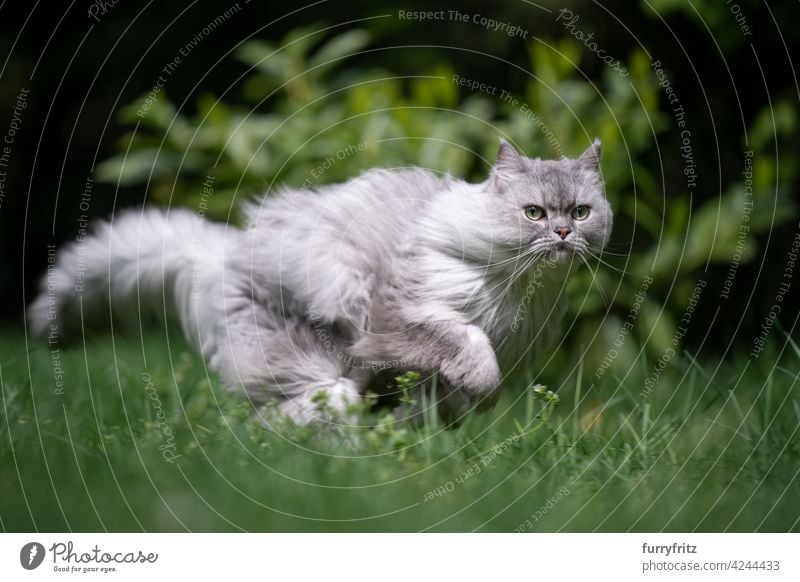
point(290, 360)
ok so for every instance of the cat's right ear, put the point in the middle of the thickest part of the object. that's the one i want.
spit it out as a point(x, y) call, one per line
point(509, 164)
point(590, 159)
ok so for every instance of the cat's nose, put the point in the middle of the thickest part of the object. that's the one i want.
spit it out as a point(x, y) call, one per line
point(562, 231)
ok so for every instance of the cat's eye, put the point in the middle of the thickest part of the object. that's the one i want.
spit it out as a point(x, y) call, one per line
point(534, 212)
point(580, 212)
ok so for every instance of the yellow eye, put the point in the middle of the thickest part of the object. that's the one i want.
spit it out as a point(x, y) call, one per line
point(534, 213)
point(580, 212)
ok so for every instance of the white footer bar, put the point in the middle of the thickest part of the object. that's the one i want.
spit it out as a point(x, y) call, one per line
point(390, 557)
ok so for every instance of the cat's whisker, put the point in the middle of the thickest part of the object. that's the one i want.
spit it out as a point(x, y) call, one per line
point(622, 272)
point(613, 254)
point(536, 256)
point(526, 259)
point(620, 244)
point(535, 247)
point(509, 260)
point(506, 286)
point(593, 273)
point(514, 276)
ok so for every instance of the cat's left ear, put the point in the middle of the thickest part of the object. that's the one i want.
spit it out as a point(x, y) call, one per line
point(509, 165)
point(590, 159)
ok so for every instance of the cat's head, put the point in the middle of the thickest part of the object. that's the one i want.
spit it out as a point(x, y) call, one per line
point(554, 208)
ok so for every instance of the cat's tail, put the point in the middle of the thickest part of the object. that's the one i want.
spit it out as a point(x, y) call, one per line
point(167, 262)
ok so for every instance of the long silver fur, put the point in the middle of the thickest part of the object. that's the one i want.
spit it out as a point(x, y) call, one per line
point(400, 269)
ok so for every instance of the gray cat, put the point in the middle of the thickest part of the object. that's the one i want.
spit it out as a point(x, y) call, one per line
point(394, 269)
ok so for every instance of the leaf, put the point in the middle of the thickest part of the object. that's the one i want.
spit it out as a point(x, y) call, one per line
point(265, 57)
point(298, 42)
point(140, 165)
point(340, 46)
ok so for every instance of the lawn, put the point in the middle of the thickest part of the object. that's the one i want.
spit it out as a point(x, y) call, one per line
point(129, 434)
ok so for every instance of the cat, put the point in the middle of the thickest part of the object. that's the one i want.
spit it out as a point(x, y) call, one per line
point(401, 269)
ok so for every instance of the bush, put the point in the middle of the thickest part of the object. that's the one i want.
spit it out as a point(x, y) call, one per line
point(307, 117)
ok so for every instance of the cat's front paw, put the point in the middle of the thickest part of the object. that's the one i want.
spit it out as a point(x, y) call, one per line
point(474, 368)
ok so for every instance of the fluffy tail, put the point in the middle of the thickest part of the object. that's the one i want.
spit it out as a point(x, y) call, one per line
point(140, 261)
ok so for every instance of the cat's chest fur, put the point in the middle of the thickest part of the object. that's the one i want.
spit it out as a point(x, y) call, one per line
point(520, 312)
point(522, 315)
point(533, 309)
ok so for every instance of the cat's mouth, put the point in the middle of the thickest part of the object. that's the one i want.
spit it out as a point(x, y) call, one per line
point(562, 251)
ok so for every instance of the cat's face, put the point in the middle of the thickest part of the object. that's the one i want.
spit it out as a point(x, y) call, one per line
point(553, 208)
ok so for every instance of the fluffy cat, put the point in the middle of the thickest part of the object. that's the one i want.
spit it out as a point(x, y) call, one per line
point(400, 269)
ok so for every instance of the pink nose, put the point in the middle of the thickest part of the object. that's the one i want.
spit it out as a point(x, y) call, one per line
point(562, 232)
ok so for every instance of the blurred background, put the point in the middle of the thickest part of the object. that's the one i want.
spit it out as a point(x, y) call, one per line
point(696, 105)
point(678, 373)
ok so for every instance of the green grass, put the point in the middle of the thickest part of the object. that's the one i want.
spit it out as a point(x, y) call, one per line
point(715, 447)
